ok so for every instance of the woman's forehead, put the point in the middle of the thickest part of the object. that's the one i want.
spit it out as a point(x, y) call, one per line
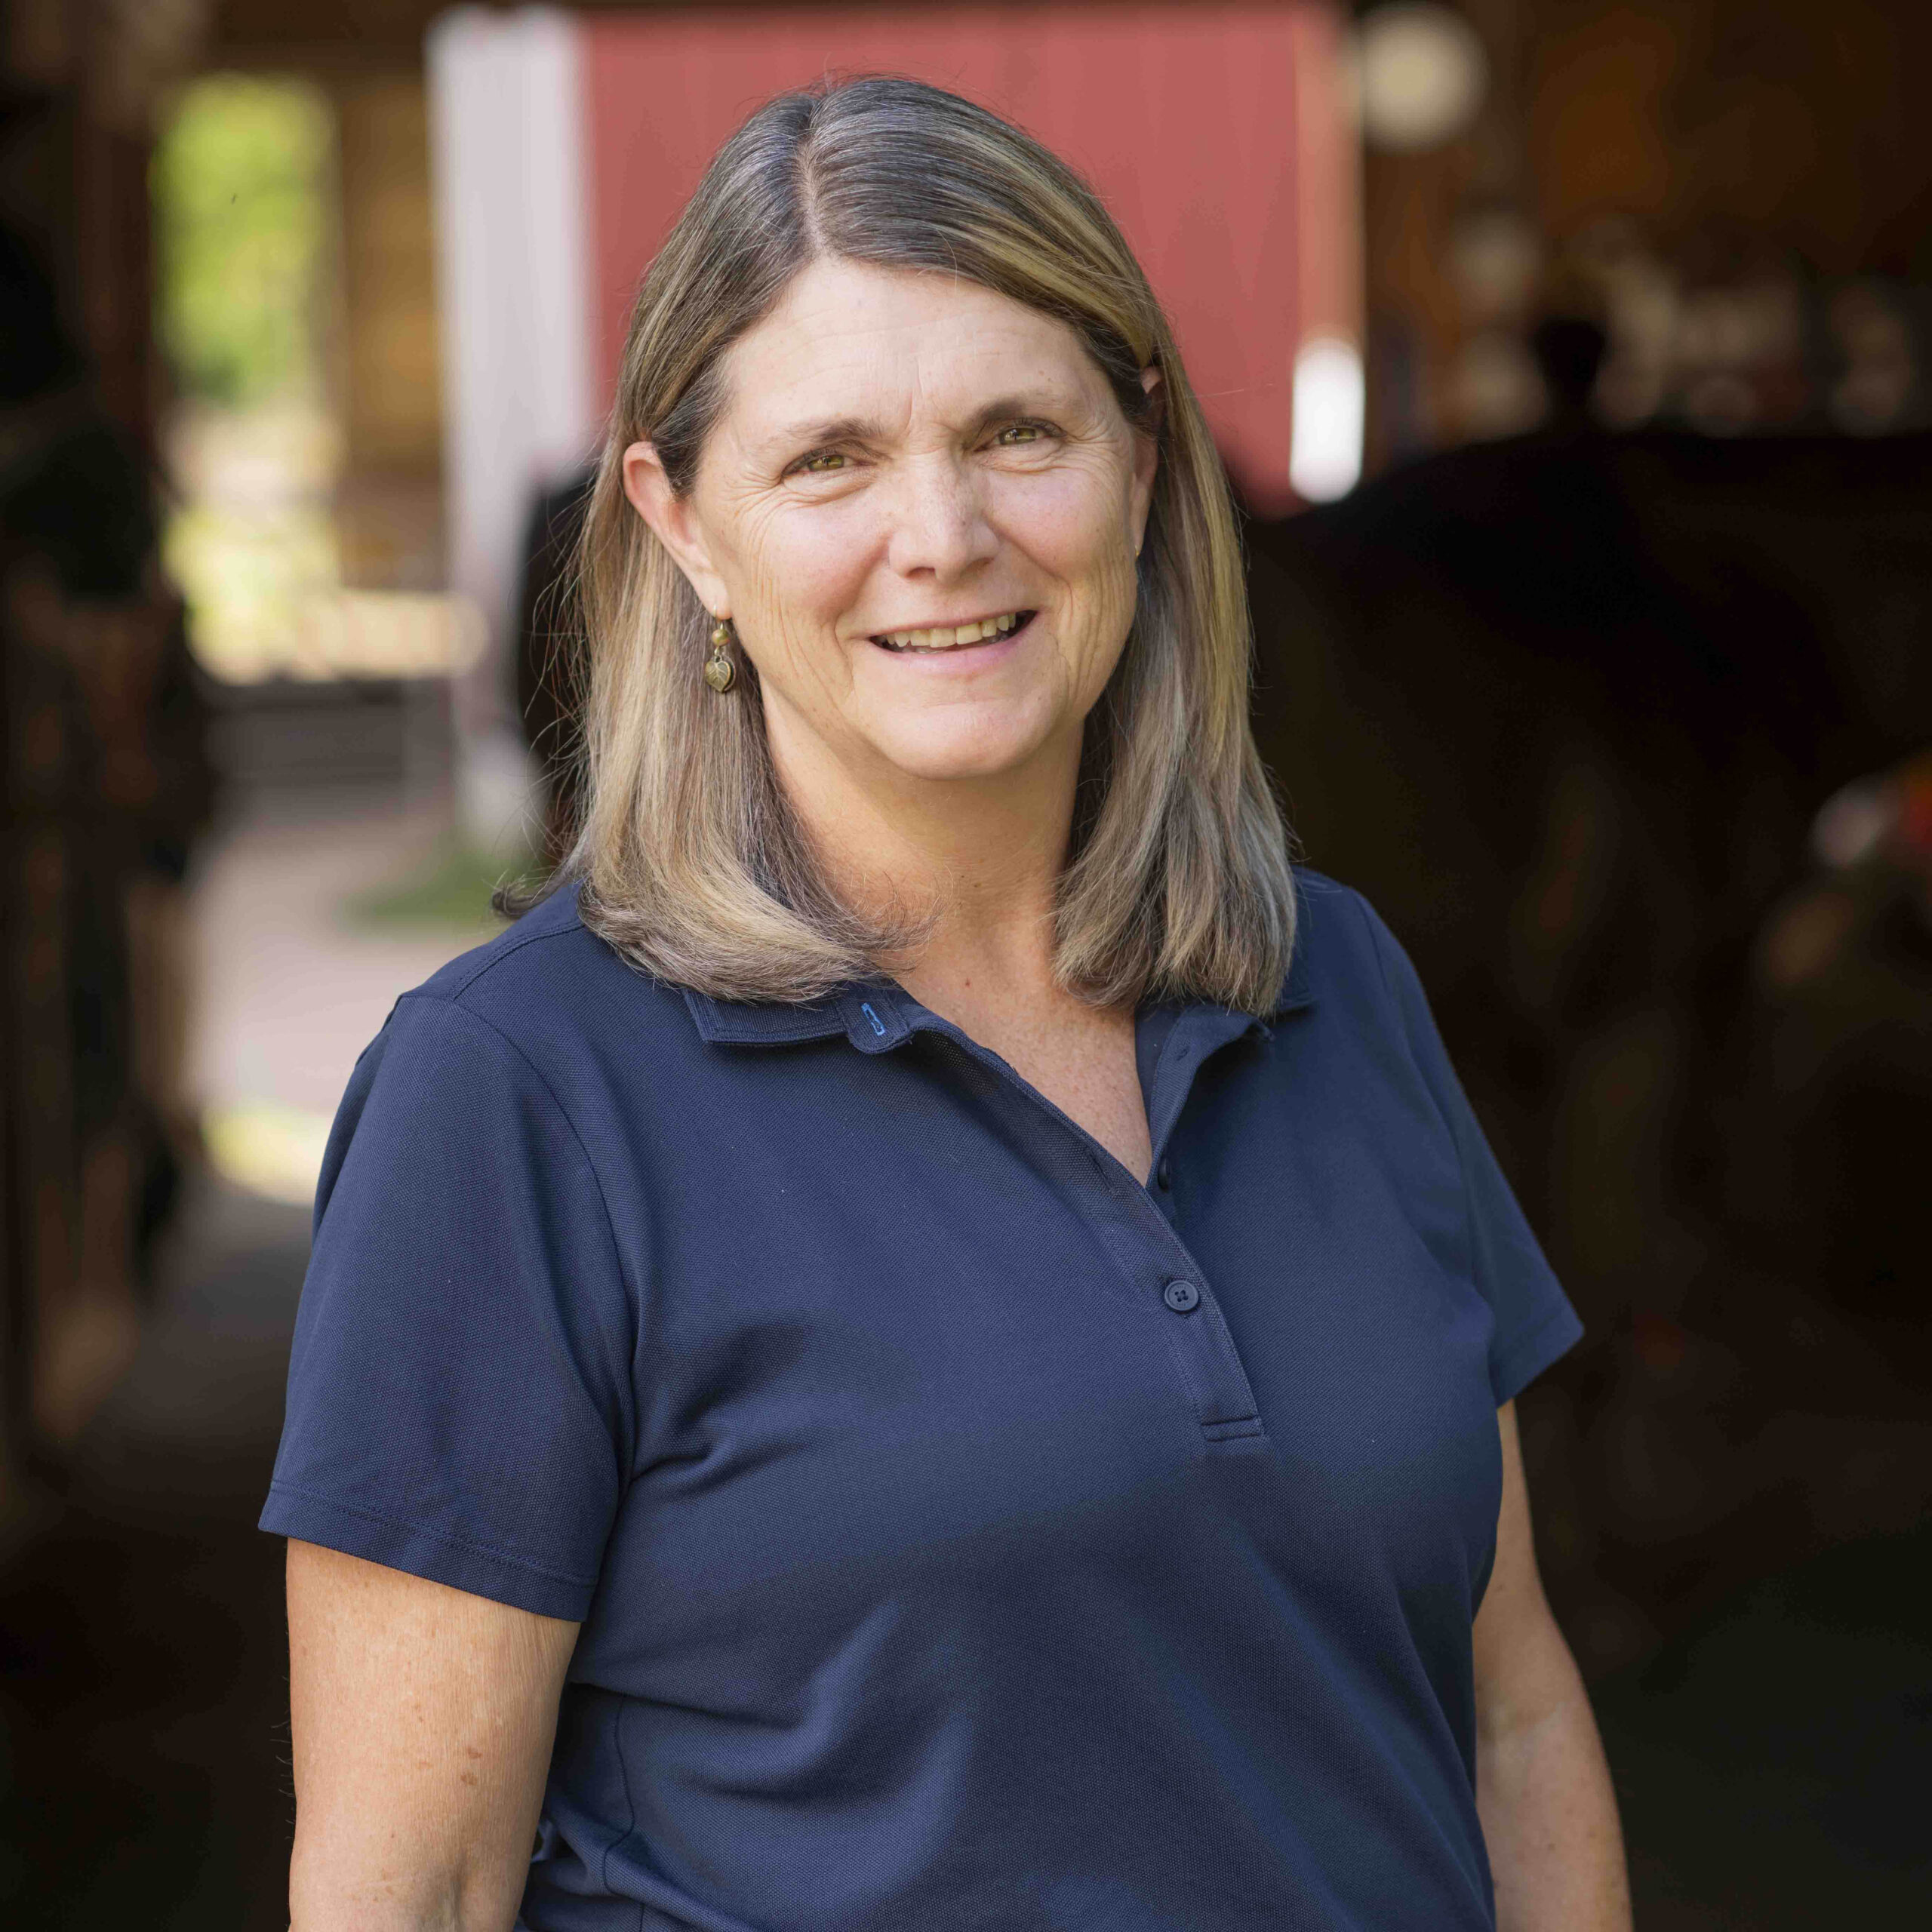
point(850, 344)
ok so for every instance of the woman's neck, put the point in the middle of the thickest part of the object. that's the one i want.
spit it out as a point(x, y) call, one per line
point(980, 858)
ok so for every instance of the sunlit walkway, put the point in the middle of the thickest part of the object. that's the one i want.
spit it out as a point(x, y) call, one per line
point(292, 984)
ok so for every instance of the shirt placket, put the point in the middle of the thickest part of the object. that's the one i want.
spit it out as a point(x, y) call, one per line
point(1156, 1269)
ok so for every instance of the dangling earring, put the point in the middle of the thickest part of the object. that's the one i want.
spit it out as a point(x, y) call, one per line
point(720, 673)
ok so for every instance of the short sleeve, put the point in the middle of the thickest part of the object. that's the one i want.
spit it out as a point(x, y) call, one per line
point(461, 1399)
point(1534, 1322)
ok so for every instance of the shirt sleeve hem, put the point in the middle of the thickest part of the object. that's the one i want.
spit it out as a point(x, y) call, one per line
point(1525, 1359)
point(430, 1554)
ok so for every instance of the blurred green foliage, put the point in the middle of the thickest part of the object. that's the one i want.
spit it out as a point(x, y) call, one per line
point(240, 191)
point(450, 890)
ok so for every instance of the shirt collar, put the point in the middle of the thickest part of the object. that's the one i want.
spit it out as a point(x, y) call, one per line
point(743, 1022)
point(876, 1016)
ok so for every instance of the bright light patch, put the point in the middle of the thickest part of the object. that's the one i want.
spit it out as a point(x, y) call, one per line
point(1324, 450)
point(1423, 75)
point(267, 1148)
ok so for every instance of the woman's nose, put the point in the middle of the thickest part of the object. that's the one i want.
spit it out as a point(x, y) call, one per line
point(938, 523)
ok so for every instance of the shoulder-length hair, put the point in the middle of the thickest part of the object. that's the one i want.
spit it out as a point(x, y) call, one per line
point(694, 867)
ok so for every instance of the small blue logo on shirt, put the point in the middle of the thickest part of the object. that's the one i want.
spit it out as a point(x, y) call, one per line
point(878, 1025)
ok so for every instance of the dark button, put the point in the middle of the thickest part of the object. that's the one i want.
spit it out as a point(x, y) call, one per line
point(1163, 1176)
point(1180, 1296)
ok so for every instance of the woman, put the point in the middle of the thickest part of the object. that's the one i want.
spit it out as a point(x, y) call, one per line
point(928, 1341)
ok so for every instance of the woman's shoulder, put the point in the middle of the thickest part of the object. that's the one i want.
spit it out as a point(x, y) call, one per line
point(545, 1035)
point(1342, 945)
point(1370, 1006)
point(551, 988)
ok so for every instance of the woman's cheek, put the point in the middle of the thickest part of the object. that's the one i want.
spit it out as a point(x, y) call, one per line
point(815, 564)
point(1066, 521)
point(801, 584)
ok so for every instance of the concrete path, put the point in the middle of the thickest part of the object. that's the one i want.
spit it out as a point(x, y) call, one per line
point(289, 989)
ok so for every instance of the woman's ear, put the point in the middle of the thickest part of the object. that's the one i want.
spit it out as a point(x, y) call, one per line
point(673, 521)
point(1154, 387)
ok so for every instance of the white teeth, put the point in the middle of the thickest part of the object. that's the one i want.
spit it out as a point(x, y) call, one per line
point(945, 637)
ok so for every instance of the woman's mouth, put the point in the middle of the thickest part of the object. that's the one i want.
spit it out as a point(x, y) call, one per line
point(954, 637)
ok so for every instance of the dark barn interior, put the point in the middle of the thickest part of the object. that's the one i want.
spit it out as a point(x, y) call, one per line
point(1611, 684)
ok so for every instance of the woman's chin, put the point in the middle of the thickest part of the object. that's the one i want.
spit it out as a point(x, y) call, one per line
point(939, 749)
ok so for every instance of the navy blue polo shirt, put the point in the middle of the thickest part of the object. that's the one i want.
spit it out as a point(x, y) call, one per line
point(964, 1534)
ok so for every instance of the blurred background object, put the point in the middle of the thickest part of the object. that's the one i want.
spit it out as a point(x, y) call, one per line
point(1570, 356)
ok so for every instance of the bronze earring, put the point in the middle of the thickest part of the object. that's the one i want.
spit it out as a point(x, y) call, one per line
point(720, 673)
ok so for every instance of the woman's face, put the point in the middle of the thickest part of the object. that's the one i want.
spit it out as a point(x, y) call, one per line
point(921, 506)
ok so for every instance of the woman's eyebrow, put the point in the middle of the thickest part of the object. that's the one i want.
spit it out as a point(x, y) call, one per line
point(828, 429)
point(1044, 402)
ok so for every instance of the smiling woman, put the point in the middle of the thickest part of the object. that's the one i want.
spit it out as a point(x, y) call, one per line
point(896, 368)
point(974, 1388)
point(938, 585)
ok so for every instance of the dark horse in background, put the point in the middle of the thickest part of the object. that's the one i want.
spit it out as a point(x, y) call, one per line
point(1567, 707)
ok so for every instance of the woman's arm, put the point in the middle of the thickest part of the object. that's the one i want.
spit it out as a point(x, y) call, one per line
point(423, 1718)
point(1542, 1788)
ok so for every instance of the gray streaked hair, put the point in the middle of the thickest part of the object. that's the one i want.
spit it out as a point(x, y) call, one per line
point(1177, 881)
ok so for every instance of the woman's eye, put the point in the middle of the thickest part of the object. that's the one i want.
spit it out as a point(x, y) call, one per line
point(1021, 432)
point(826, 463)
